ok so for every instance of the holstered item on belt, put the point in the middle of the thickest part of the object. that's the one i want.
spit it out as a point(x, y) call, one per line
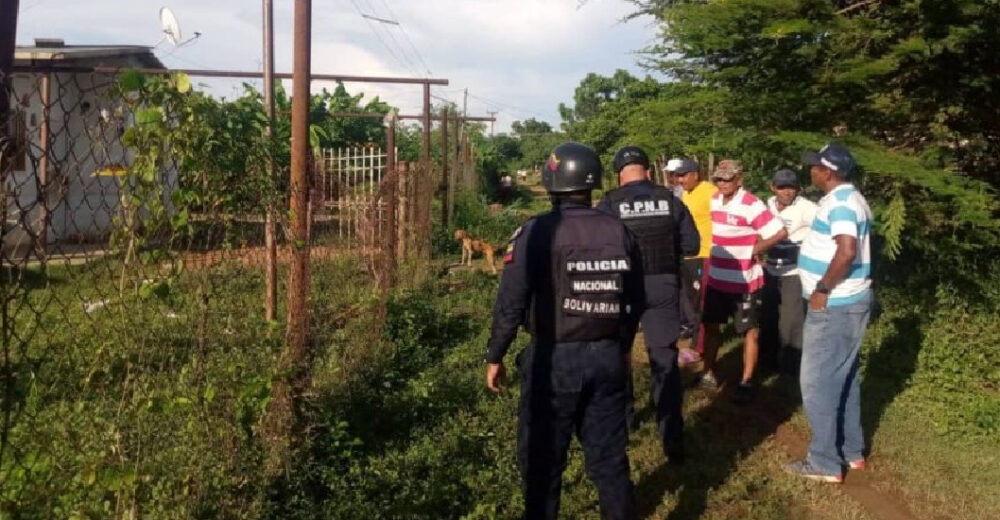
point(783, 254)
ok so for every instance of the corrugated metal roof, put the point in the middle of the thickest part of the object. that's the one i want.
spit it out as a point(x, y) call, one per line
point(57, 54)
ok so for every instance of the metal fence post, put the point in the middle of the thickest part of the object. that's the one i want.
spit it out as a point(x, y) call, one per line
point(270, 239)
point(43, 170)
point(283, 424)
point(8, 30)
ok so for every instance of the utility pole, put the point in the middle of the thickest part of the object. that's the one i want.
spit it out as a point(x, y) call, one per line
point(492, 113)
point(465, 102)
point(270, 240)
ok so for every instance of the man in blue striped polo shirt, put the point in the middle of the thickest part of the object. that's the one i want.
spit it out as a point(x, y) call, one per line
point(835, 270)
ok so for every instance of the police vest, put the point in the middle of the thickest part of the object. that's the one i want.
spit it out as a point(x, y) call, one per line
point(651, 218)
point(583, 296)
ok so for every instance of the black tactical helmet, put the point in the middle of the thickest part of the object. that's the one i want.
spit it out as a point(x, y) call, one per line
point(630, 155)
point(571, 167)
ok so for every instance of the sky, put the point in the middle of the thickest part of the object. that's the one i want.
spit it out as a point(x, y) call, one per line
point(518, 57)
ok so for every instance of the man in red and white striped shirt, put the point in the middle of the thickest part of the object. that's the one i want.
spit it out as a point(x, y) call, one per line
point(742, 228)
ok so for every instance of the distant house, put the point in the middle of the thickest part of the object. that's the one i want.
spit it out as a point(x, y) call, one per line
point(76, 171)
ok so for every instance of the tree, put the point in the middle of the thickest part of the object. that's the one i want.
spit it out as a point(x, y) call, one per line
point(917, 74)
point(530, 126)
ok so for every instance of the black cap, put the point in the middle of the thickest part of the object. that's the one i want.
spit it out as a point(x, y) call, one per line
point(834, 157)
point(630, 155)
point(785, 178)
point(681, 166)
point(571, 167)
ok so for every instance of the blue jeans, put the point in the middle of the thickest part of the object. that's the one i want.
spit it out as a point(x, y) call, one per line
point(831, 390)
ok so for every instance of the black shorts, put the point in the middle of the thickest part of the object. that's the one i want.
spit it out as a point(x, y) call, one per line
point(744, 308)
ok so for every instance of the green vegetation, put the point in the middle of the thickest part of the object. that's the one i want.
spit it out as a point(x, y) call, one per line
point(138, 382)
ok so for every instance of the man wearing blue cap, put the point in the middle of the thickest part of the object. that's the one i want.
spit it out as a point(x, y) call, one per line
point(783, 310)
point(835, 270)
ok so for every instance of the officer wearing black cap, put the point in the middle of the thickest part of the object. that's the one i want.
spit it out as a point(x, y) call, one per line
point(573, 277)
point(666, 234)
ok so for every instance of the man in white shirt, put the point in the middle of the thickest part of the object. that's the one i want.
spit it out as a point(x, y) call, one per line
point(784, 311)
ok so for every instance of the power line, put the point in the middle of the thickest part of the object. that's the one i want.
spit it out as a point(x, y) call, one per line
point(379, 36)
point(407, 36)
point(498, 104)
point(399, 47)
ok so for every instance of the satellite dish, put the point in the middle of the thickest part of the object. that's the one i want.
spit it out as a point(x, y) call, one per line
point(171, 28)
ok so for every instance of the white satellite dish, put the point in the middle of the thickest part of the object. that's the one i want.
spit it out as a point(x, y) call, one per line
point(171, 29)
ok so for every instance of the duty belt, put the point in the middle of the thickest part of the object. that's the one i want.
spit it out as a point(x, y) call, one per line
point(781, 262)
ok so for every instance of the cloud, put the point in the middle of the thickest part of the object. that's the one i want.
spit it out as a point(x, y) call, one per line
point(524, 56)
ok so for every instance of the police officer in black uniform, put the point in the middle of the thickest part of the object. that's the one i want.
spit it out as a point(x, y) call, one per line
point(573, 277)
point(666, 233)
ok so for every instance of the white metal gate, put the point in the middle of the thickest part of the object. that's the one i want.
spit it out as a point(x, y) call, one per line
point(345, 194)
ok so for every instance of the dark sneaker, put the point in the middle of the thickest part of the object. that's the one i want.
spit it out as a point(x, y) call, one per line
point(743, 393)
point(803, 468)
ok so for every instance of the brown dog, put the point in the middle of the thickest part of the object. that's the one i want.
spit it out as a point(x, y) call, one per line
point(471, 245)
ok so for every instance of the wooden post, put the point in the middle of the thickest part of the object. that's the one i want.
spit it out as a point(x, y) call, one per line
point(445, 181)
point(402, 237)
point(388, 239)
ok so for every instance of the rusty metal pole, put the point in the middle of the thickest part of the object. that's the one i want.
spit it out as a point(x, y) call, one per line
point(8, 35)
point(8, 31)
point(270, 231)
point(298, 281)
point(445, 181)
point(426, 150)
point(43, 170)
point(283, 427)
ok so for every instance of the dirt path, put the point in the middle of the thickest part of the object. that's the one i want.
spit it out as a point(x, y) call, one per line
point(862, 486)
point(767, 437)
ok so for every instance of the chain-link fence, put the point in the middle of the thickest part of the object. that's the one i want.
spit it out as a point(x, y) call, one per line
point(132, 291)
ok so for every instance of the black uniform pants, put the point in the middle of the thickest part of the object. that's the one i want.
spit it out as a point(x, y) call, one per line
point(782, 315)
point(661, 327)
point(567, 388)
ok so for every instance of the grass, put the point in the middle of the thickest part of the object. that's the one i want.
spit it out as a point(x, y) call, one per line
point(941, 477)
point(404, 427)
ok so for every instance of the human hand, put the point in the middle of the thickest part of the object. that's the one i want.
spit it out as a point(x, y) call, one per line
point(817, 301)
point(494, 376)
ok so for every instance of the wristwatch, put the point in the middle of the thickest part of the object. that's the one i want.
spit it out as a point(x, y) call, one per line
point(822, 288)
